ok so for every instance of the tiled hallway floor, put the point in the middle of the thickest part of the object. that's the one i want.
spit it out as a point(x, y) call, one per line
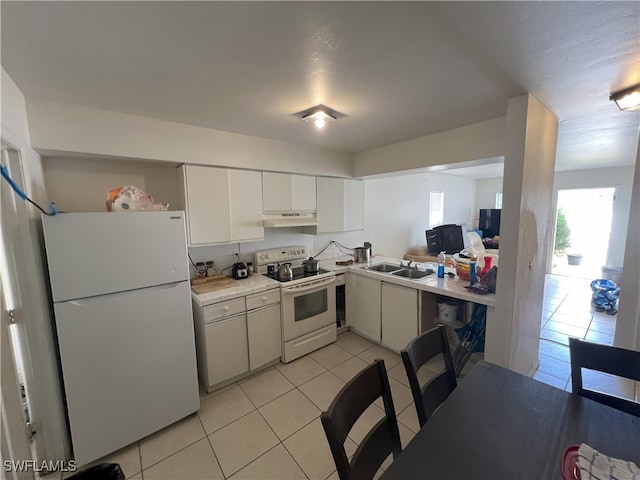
point(567, 312)
point(268, 426)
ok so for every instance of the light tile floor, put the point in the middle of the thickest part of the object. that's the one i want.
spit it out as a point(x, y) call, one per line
point(268, 426)
point(567, 312)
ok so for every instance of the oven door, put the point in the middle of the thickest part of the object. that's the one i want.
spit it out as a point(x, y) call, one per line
point(308, 306)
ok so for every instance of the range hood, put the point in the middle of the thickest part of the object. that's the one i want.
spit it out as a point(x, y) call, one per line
point(292, 219)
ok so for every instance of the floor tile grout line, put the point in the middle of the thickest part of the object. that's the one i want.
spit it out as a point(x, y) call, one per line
point(211, 445)
point(177, 451)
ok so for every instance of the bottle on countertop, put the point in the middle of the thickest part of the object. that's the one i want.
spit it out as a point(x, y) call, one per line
point(472, 273)
point(250, 268)
point(441, 262)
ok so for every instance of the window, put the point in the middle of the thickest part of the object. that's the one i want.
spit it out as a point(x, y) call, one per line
point(436, 209)
point(499, 200)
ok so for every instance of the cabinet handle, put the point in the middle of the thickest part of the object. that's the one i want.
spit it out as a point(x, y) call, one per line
point(226, 308)
point(264, 299)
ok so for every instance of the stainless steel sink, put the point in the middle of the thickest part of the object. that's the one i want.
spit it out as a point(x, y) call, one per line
point(383, 267)
point(412, 273)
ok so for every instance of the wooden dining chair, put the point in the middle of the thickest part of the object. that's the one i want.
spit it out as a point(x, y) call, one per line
point(607, 359)
point(419, 351)
point(383, 439)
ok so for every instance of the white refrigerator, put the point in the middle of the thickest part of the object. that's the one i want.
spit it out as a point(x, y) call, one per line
point(122, 304)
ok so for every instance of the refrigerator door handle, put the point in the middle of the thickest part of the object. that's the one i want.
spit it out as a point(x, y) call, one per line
point(129, 293)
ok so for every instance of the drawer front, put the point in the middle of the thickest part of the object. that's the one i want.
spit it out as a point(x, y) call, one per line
point(262, 299)
point(224, 309)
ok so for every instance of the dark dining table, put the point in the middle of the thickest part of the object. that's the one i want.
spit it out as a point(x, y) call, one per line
point(498, 424)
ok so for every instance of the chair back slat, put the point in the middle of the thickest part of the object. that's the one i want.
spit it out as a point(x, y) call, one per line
point(374, 449)
point(436, 391)
point(607, 359)
point(415, 355)
point(345, 410)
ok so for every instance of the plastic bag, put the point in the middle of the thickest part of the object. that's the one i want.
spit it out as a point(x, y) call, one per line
point(131, 199)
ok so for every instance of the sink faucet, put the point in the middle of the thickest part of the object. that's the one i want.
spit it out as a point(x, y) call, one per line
point(408, 265)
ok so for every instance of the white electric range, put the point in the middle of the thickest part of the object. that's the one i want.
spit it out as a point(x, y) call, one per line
point(308, 302)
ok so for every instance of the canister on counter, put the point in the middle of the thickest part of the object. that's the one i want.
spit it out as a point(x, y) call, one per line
point(211, 269)
point(201, 270)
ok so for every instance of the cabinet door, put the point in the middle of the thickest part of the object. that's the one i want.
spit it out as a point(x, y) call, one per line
point(330, 205)
point(227, 351)
point(363, 305)
point(207, 204)
point(304, 193)
point(277, 194)
point(245, 204)
point(353, 205)
point(399, 315)
point(265, 337)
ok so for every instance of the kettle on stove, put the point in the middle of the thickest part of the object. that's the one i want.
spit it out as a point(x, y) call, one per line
point(284, 273)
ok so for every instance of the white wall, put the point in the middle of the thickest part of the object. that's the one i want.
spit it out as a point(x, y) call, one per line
point(486, 189)
point(470, 143)
point(46, 396)
point(622, 179)
point(397, 208)
point(628, 320)
point(66, 128)
point(513, 334)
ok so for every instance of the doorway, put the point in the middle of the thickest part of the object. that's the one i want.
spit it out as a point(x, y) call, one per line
point(583, 231)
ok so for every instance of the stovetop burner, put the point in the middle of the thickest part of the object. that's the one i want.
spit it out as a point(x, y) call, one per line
point(298, 273)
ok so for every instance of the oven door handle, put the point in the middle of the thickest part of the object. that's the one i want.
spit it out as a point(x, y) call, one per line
point(309, 286)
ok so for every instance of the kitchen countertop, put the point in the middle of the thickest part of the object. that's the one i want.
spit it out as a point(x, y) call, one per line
point(450, 287)
point(254, 284)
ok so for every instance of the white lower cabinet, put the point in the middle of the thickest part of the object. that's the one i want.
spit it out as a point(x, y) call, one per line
point(227, 351)
point(236, 337)
point(400, 310)
point(381, 311)
point(264, 334)
point(363, 305)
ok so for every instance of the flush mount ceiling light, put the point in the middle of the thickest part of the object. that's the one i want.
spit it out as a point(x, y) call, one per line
point(627, 99)
point(319, 115)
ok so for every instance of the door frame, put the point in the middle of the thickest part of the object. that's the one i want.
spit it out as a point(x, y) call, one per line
point(34, 316)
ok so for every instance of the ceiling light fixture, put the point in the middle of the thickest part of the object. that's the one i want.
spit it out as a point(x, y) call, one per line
point(627, 99)
point(319, 115)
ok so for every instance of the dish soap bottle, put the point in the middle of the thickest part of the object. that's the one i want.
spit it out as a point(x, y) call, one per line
point(441, 262)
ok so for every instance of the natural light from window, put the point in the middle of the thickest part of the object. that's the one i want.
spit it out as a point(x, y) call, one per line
point(436, 209)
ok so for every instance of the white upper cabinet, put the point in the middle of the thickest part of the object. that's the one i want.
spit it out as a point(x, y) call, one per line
point(340, 205)
point(283, 192)
point(222, 205)
point(245, 193)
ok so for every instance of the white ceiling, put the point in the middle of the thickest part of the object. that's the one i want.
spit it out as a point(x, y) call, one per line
point(397, 70)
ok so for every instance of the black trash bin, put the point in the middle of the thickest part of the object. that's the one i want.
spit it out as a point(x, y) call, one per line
point(103, 471)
